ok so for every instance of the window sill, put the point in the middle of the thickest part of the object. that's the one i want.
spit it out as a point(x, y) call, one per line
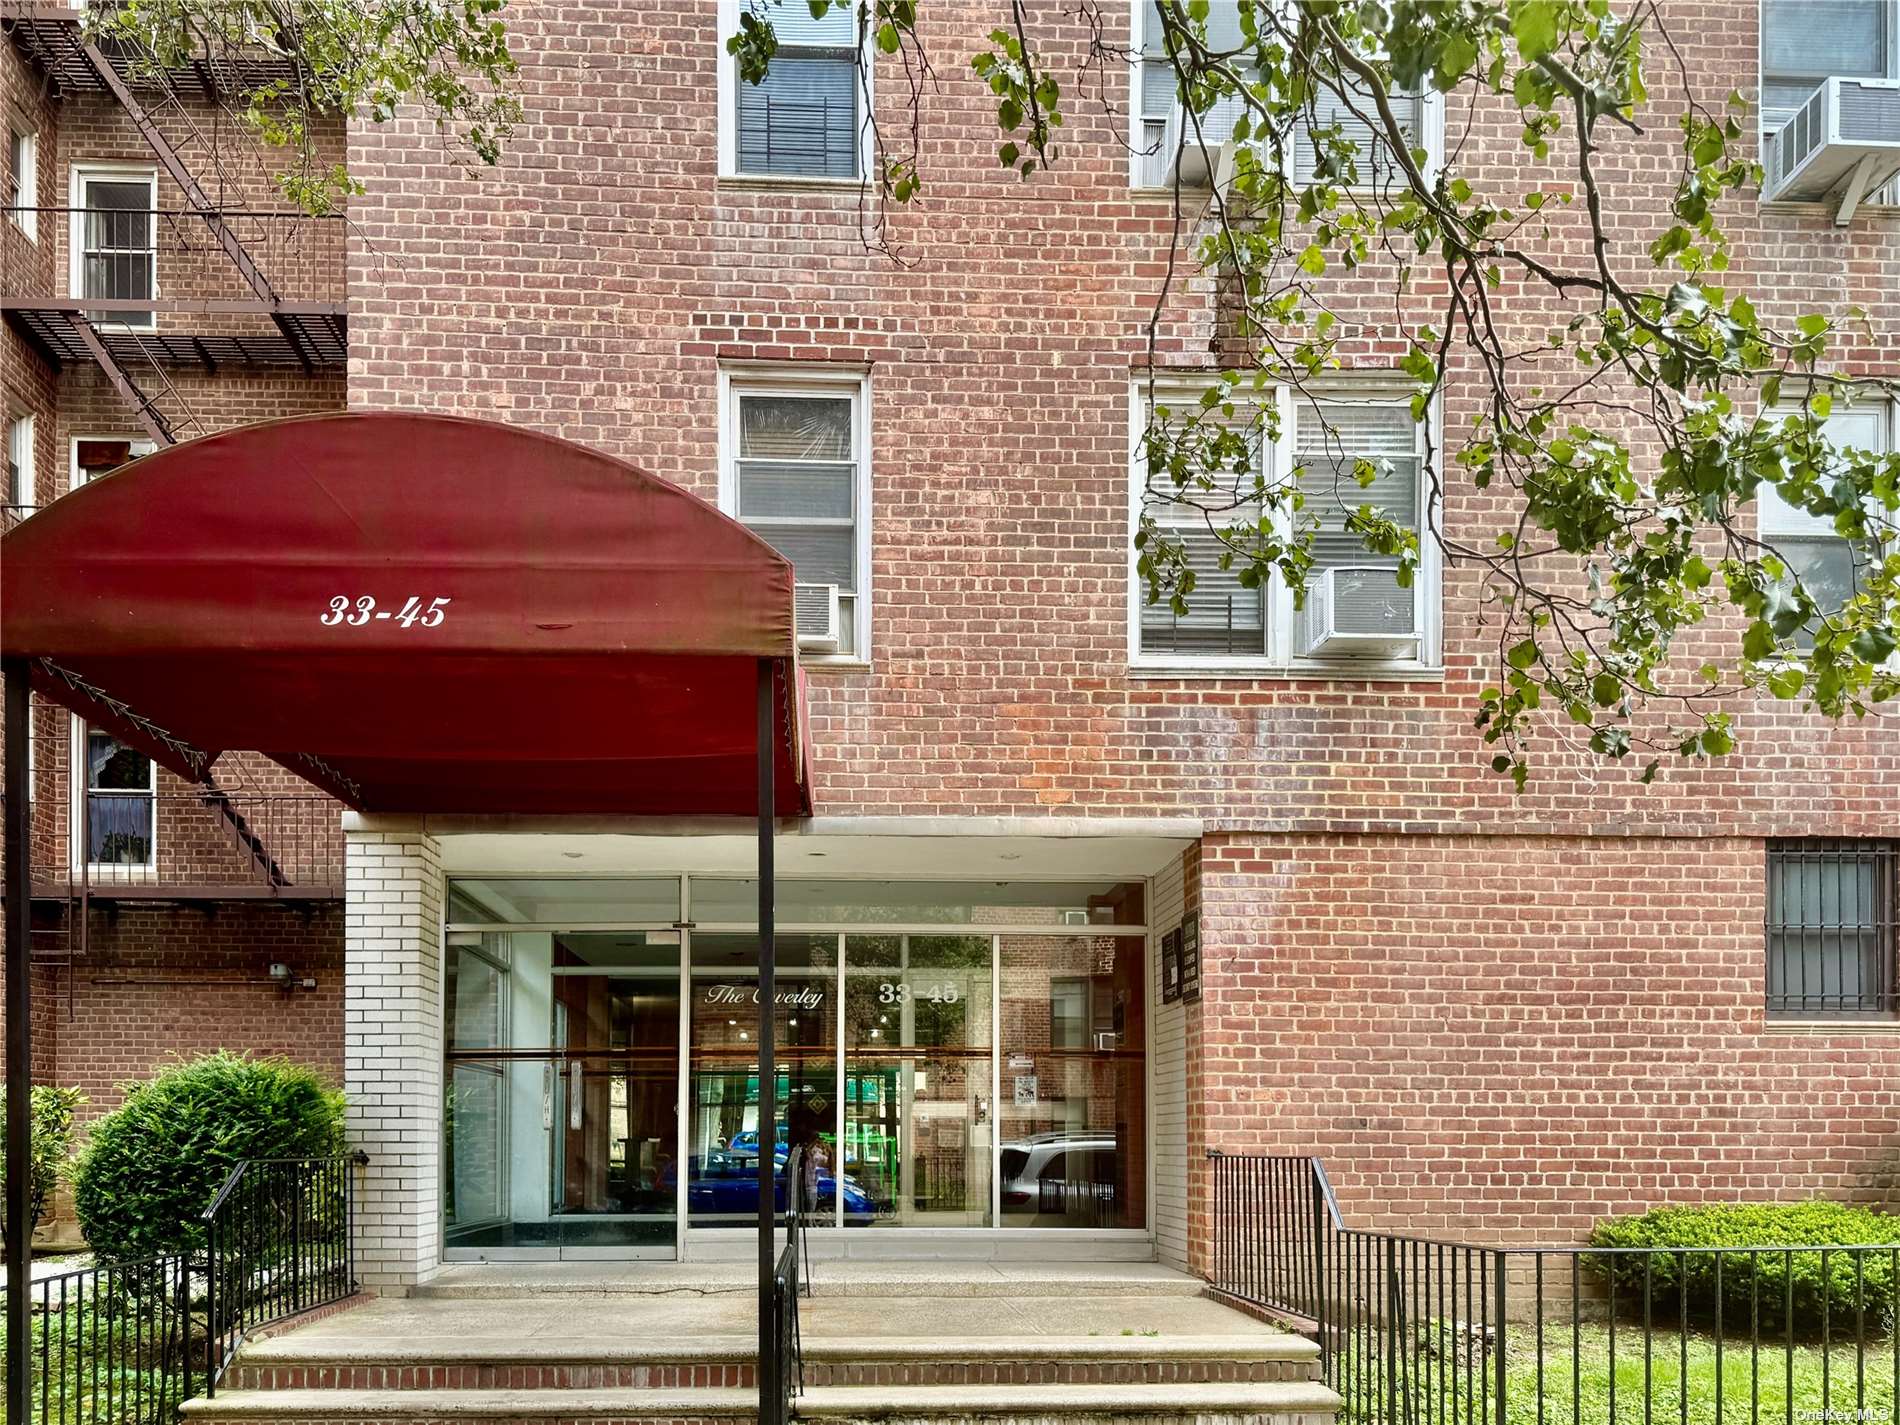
point(1810, 1027)
point(781, 182)
point(833, 663)
point(1368, 672)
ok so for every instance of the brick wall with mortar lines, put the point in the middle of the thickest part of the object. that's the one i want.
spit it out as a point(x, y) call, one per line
point(594, 284)
point(1506, 1039)
point(160, 983)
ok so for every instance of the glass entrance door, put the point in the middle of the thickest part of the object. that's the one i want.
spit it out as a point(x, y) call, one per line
point(562, 1124)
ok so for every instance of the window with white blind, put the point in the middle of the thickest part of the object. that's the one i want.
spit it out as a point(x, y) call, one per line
point(1357, 615)
point(115, 821)
point(1807, 42)
point(1832, 912)
point(1808, 544)
point(1168, 144)
point(806, 119)
point(794, 468)
point(19, 491)
point(23, 180)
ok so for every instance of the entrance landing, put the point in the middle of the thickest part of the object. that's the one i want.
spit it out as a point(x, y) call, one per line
point(827, 1278)
point(591, 1344)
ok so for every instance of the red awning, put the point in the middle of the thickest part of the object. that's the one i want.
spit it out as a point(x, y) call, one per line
point(550, 630)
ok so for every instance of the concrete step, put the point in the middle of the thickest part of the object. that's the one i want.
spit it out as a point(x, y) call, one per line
point(308, 1362)
point(1257, 1403)
point(632, 1281)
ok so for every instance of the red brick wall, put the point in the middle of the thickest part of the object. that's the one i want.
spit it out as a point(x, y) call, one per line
point(152, 984)
point(592, 286)
point(1506, 1038)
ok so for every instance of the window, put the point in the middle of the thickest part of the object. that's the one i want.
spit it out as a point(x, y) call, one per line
point(1820, 558)
point(1832, 907)
point(94, 456)
point(20, 482)
point(115, 242)
point(1357, 616)
point(1805, 42)
point(23, 180)
point(805, 120)
point(1355, 603)
point(120, 803)
point(794, 470)
point(1165, 145)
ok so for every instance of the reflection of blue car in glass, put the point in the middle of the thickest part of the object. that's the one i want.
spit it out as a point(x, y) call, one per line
point(727, 1181)
point(748, 1142)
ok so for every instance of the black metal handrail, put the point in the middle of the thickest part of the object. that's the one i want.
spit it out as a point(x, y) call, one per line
point(279, 1241)
point(1417, 1331)
point(790, 1280)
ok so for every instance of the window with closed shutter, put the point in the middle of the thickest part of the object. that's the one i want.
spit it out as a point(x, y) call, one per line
point(796, 469)
point(803, 119)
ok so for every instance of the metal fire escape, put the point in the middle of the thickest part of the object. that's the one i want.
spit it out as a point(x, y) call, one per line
point(309, 335)
point(72, 330)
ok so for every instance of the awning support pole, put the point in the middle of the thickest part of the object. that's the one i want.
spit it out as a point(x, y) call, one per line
point(770, 1391)
point(18, 891)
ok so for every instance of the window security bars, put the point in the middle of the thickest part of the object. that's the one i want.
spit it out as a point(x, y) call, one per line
point(1415, 1331)
point(1832, 909)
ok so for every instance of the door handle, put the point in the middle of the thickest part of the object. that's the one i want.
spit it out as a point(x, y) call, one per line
point(574, 1094)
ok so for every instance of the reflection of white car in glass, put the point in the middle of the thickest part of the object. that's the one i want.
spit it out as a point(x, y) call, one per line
point(1069, 1173)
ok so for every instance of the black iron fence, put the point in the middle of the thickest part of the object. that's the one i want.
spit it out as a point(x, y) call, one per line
point(111, 1344)
point(126, 1343)
point(278, 1241)
point(1415, 1331)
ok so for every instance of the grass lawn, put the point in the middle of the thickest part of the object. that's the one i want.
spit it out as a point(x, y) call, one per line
point(1835, 1387)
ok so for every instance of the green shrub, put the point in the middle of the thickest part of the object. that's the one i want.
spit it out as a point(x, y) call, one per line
point(149, 1169)
point(53, 1111)
point(1839, 1289)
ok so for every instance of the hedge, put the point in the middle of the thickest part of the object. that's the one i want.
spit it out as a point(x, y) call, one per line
point(1835, 1290)
point(151, 1168)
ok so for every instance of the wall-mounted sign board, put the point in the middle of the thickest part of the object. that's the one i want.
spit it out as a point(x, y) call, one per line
point(1171, 966)
point(1191, 958)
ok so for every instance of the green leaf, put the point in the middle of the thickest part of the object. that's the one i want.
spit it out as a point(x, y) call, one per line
point(1522, 655)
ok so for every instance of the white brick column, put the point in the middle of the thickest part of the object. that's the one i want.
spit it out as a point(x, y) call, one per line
point(392, 1050)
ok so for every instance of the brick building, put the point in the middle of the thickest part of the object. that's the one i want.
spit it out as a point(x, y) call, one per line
point(160, 909)
point(1492, 1014)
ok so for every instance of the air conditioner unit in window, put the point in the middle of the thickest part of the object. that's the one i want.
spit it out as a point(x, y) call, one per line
point(1843, 142)
point(815, 615)
point(1195, 153)
point(1359, 611)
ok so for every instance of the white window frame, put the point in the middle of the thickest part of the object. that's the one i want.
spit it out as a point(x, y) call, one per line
point(1888, 194)
point(26, 195)
point(1278, 657)
point(735, 381)
point(1887, 415)
point(76, 237)
point(1431, 117)
point(76, 474)
point(728, 95)
point(20, 451)
point(81, 793)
